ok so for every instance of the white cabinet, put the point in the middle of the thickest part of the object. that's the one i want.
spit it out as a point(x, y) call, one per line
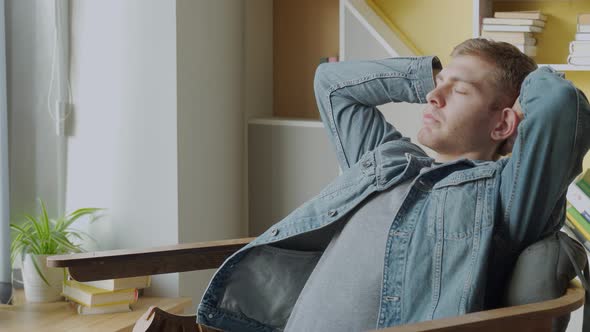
point(289, 162)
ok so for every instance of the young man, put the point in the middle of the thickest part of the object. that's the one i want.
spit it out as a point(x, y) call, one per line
point(400, 237)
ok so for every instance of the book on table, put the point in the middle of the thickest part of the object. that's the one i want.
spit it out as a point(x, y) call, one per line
point(90, 296)
point(121, 283)
point(531, 15)
point(106, 309)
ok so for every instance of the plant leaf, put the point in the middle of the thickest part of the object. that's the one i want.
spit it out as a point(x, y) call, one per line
point(35, 224)
point(64, 242)
point(44, 217)
point(80, 213)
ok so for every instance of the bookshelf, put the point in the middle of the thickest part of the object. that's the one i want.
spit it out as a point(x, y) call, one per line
point(553, 43)
point(303, 32)
point(566, 67)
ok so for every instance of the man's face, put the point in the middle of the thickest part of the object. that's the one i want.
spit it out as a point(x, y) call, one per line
point(458, 119)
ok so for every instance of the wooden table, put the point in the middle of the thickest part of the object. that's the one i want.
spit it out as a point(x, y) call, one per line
point(61, 316)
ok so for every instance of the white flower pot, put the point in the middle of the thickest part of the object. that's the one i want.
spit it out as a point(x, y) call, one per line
point(36, 290)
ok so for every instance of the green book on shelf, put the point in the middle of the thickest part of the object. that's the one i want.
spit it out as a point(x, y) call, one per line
point(579, 221)
point(577, 234)
point(584, 182)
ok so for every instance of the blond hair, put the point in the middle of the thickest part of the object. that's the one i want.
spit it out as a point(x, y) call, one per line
point(512, 66)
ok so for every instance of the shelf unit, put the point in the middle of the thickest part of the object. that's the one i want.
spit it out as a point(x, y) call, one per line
point(565, 67)
point(484, 8)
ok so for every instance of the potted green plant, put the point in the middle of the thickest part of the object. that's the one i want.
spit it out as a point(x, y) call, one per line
point(38, 237)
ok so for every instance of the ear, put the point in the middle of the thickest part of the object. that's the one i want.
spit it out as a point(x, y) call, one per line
point(506, 128)
point(506, 124)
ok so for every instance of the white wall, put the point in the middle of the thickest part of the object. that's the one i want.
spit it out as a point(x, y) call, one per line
point(123, 154)
point(210, 54)
point(158, 129)
point(258, 76)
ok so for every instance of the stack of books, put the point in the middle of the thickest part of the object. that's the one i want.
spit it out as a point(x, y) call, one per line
point(516, 28)
point(580, 47)
point(104, 296)
point(577, 220)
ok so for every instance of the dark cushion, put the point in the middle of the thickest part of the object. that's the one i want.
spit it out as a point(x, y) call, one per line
point(543, 272)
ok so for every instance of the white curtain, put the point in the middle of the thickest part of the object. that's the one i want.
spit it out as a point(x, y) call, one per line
point(5, 275)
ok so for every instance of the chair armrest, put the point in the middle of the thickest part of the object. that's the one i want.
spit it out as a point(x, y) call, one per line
point(123, 263)
point(523, 318)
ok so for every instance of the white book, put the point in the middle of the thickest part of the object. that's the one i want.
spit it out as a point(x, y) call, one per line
point(581, 47)
point(583, 27)
point(511, 37)
point(513, 21)
point(580, 53)
point(578, 199)
point(120, 283)
point(584, 18)
point(507, 34)
point(579, 61)
point(536, 15)
point(527, 49)
point(515, 28)
point(514, 41)
point(109, 309)
point(582, 36)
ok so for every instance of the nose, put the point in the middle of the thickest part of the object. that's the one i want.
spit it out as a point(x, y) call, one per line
point(436, 97)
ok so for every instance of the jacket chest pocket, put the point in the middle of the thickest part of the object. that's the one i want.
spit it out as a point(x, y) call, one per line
point(459, 204)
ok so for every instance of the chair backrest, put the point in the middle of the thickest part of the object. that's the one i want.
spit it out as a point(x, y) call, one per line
point(543, 272)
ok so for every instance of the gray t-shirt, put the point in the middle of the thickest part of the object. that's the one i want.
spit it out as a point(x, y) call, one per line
point(342, 292)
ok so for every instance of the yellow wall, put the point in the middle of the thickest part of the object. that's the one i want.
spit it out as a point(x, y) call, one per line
point(435, 26)
point(432, 27)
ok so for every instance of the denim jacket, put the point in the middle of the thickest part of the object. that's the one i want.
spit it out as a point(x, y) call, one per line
point(461, 225)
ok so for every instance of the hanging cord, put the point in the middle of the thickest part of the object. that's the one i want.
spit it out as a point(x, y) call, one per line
point(56, 41)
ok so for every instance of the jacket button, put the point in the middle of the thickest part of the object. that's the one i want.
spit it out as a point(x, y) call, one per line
point(210, 315)
point(367, 164)
point(332, 213)
point(274, 232)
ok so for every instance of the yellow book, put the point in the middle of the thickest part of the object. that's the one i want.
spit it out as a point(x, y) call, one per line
point(93, 297)
point(120, 283)
point(106, 309)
